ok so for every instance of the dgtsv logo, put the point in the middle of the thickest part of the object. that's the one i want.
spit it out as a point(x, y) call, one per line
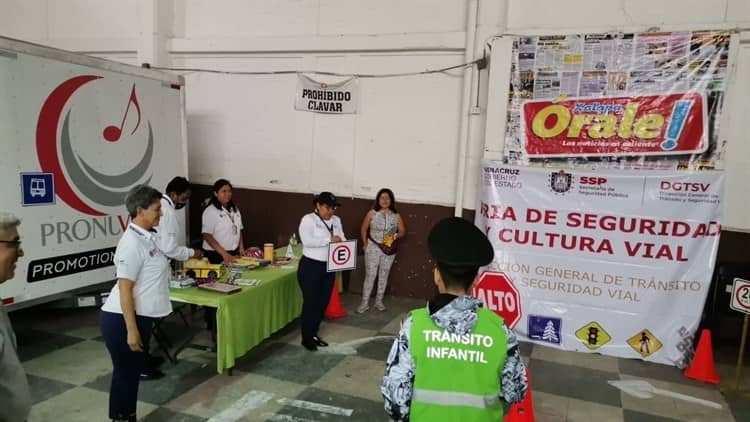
point(37, 189)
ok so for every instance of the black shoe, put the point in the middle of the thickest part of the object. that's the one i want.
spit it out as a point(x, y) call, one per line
point(310, 345)
point(128, 419)
point(319, 342)
point(154, 362)
point(150, 375)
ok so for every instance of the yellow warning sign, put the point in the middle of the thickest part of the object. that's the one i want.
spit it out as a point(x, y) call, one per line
point(593, 335)
point(645, 343)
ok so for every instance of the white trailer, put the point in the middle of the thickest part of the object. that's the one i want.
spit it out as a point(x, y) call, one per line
point(76, 133)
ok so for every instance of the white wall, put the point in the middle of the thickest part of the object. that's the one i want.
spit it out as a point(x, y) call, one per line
point(579, 15)
point(90, 26)
point(737, 210)
point(402, 136)
point(406, 132)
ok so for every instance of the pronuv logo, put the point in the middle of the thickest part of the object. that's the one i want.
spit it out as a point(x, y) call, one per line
point(77, 182)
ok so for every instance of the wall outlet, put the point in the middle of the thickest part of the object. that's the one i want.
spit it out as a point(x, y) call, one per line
point(476, 110)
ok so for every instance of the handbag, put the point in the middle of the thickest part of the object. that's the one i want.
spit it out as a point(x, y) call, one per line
point(388, 250)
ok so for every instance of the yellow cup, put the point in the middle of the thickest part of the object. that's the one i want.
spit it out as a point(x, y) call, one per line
point(268, 252)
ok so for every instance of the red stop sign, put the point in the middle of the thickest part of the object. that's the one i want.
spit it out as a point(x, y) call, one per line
point(497, 292)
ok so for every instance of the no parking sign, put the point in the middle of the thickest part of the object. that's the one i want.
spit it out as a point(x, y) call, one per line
point(342, 256)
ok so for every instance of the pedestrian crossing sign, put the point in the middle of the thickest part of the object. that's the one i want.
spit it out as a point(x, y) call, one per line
point(645, 343)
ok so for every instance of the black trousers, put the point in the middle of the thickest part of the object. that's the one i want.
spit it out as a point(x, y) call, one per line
point(127, 365)
point(209, 313)
point(215, 258)
point(316, 285)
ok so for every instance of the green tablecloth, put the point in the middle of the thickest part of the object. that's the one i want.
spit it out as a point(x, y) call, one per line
point(246, 318)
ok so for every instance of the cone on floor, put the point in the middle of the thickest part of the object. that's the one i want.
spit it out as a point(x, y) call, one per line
point(523, 411)
point(702, 368)
point(334, 309)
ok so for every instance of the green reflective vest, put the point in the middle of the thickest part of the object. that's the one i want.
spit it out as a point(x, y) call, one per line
point(457, 378)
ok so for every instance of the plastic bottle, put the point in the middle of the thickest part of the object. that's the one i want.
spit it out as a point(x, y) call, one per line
point(291, 245)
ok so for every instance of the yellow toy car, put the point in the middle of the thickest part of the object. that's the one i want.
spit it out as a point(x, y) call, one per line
point(201, 268)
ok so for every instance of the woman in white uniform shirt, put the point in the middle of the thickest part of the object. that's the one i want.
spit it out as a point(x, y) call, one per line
point(222, 226)
point(222, 236)
point(317, 230)
point(140, 296)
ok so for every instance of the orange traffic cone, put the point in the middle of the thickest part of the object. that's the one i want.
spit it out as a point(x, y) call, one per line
point(702, 368)
point(334, 309)
point(524, 411)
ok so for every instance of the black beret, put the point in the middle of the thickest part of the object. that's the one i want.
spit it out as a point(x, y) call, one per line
point(455, 241)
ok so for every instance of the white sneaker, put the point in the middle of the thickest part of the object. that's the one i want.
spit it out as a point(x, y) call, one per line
point(363, 308)
point(380, 307)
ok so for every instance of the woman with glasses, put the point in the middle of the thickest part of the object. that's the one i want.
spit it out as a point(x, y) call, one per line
point(15, 395)
point(316, 231)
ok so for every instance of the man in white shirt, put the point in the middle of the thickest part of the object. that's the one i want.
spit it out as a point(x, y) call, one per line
point(170, 233)
point(15, 397)
point(170, 238)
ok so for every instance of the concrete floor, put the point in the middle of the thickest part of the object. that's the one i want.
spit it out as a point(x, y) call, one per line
point(69, 370)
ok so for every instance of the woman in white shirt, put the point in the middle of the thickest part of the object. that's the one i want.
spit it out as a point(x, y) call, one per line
point(222, 236)
point(316, 231)
point(140, 296)
point(222, 226)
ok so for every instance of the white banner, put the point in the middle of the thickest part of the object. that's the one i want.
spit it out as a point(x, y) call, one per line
point(321, 97)
point(617, 263)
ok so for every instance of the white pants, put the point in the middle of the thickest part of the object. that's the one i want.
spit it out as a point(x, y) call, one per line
point(377, 264)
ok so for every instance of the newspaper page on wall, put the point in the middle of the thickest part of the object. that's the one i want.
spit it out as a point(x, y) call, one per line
point(618, 100)
point(606, 261)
